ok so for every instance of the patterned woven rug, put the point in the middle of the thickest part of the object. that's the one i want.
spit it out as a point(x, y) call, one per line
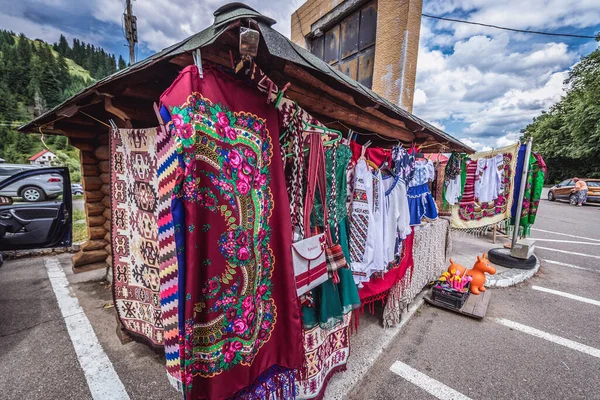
point(432, 244)
point(326, 353)
point(134, 233)
point(477, 217)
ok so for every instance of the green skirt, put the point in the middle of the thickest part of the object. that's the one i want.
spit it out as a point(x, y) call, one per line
point(331, 301)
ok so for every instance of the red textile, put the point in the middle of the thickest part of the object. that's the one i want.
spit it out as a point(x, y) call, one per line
point(373, 289)
point(241, 310)
point(468, 196)
point(376, 154)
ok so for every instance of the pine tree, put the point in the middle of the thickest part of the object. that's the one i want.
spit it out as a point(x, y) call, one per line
point(63, 46)
point(122, 64)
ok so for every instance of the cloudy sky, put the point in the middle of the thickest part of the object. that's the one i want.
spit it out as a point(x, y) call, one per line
point(480, 84)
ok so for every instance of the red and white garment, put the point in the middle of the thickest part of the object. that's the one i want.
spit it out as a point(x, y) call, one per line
point(468, 196)
point(360, 216)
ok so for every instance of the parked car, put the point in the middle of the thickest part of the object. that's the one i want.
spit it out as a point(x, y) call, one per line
point(25, 226)
point(76, 189)
point(564, 191)
point(38, 187)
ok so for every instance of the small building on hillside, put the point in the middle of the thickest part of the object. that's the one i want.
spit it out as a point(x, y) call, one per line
point(43, 159)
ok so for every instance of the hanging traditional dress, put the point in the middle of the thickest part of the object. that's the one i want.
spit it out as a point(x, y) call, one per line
point(453, 180)
point(360, 216)
point(397, 220)
point(403, 171)
point(532, 195)
point(240, 305)
point(420, 200)
point(488, 185)
point(375, 236)
point(468, 196)
point(333, 300)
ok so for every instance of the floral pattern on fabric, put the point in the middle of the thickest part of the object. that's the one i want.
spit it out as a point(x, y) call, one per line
point(477, 211)
point(238, 310)
point(404, 164)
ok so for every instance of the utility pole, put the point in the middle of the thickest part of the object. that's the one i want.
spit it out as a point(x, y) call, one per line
point(130, 31)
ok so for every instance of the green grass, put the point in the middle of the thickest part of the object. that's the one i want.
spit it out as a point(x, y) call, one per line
point(80, 232)
point(74, 68)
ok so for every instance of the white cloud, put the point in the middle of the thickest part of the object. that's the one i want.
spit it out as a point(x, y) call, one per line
point(486, 85)
point(161, 23)
point(475, 145)
point(438, 125)
point(420, 97)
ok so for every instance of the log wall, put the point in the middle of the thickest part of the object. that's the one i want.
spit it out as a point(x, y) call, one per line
point(95, 253)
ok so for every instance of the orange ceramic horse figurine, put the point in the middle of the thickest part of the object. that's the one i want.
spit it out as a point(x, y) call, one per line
point(477, 272)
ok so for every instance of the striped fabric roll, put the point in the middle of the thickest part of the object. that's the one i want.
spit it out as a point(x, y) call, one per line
point(167, 165)
point(468, 196)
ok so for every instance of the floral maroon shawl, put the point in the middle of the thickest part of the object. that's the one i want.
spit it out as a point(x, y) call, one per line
point(241, 311)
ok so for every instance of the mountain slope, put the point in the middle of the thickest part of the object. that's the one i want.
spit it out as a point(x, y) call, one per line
point(36, 76)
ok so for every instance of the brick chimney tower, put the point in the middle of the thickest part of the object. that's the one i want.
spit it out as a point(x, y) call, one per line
point(375, 42)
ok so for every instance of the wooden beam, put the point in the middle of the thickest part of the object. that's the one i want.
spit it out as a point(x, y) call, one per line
point(136, 110)
point(108, 106)
point(142, 92)
point(85, 145)
point(318, 102)
point(298, 73)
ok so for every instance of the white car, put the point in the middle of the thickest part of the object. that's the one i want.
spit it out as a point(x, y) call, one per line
point(36, 188)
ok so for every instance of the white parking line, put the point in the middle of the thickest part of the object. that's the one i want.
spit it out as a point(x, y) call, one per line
point(565, 241)
point(567, 252)
point(568, 265)
point(101, 377)
point(567, 295)
point(565, 234)
point(430, 385)
point(549, 337)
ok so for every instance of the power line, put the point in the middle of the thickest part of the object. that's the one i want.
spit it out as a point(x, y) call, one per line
point(509, 29)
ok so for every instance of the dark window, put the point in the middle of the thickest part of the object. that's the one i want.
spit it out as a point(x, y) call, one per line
point(564, 183)
point(317, 46)
point(350, 45)
point(349, 39)
point(365, 69)
point(332, 45)
point(368, 25)
point(9, 171)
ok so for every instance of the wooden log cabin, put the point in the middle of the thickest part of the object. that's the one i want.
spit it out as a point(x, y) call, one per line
point(127, 97)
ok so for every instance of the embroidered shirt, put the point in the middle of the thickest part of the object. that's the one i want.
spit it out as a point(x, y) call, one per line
point(489, 179)
point(397, 226)
point(424, 172)
point(360, 216)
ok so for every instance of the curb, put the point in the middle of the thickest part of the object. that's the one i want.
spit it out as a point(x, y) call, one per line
point(15, 254)
point(363, 357)
point(512, 277)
